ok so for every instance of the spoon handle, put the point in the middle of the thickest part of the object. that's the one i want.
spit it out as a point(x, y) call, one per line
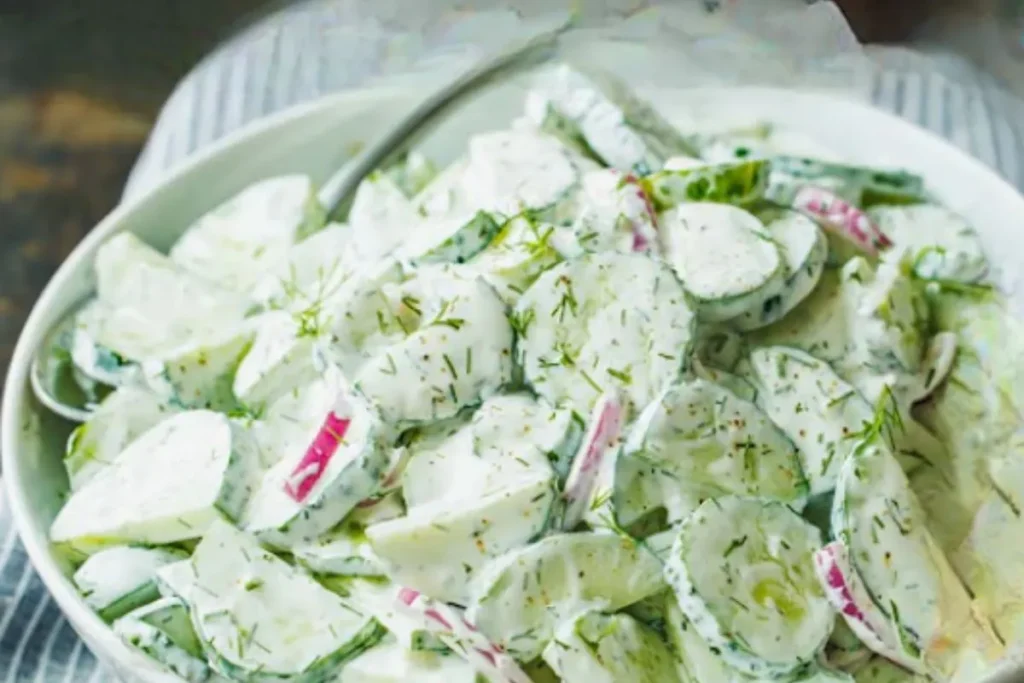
point(338, 189)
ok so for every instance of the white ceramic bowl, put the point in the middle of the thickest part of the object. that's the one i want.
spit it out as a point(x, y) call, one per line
point(315, 139)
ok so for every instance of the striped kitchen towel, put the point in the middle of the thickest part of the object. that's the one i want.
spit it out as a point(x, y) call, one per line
point(313, 49)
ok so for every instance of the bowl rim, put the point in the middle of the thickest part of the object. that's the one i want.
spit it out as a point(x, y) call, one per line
point(58, 584)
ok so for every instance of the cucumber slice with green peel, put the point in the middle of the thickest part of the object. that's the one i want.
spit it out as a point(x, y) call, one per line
point(603, 322)
point(518, 171)
point(381, 218)
point(742, 573)
point(345, 550)
point(816, 409)
point(176, 579)
point(741, 184)
point(945, 246)
point(260, 619)
point(697, 662)
point(820, 325)
point(728, 262)
point(599, 112)
point(697, 441)
point(279, 360)
point(518, 254)
point(168, 485)
point(121, 418)
point(615, 214)
point(312, 488)
point(117, 580)
point(879, 519)
point(455, 241)
point(600, 648)
point(250, 234)
point(454, 350)
point(200, 374)
point(509, 438)
point(520, 599)
point(379, 598)
point(804, 250)
point(393, 663)
point(870, 186)
point(313, 273)
point(164, 632)
point(441, 546)
point(148, 306)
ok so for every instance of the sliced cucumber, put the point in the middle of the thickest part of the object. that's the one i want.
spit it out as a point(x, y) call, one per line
point(740, 183)
point(279, 360)
point(726, 259)
point(510, 438)
point(447, 194)
point(313, 273)
point(163, 631)
point(804, 249)
point(439, 548)
point(379, 598)
point(697, 441)
point(742, 572)
point(517, 256)
point(312, 488)
point(454, 350)
point(238, 242)
point(615, 214)
point(345, 550)
point(117, 580)
point(697, 662)
point(518, 171)
point(867, 186)
point(393, 663)
point(201, 373)
point(600, 648)
point(603, 321)
point(122, 417)
point(381, 218)
point(892, 316)
point(946, 247)
point(881, 670)
point(168, 485)
point(621, 130)
point(820, 325)
point(148, 306)
point(520, 599)
point(878, 518)
point(455, 241)
point(814, 407)
point(261, 619)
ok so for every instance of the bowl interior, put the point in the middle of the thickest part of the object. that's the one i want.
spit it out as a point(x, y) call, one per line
point(318, 138)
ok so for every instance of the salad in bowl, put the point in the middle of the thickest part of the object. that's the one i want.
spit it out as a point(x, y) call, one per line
point(603, 400)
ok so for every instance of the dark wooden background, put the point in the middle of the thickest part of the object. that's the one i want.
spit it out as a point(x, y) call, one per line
point(80, 83)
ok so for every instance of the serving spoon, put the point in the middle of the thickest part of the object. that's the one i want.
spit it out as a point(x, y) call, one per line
point(51, 375)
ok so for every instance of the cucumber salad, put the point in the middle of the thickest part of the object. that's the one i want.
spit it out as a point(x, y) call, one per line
point(602, 401)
